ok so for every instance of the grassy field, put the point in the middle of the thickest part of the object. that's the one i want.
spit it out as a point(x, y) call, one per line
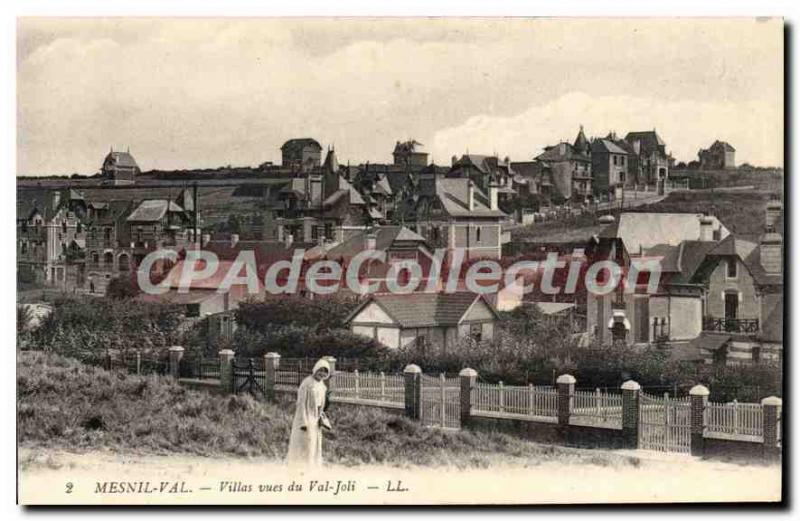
point(63, 404)
point(741, 211)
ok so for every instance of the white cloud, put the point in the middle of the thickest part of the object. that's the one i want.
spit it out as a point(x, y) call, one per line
point(753, 128)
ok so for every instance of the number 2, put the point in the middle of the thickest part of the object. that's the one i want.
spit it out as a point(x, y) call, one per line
point(69, 487)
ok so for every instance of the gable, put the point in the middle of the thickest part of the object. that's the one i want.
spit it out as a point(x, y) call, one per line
point(372, 314)
point(478, 311)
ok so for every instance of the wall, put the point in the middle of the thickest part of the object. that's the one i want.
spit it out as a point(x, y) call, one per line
point(749, 302)
point(685, 318)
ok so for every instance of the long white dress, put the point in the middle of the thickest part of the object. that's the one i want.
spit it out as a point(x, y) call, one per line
point(305, 446)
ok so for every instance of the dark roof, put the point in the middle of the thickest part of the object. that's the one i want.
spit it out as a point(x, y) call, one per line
point(124, 159)
point(748, 250)
point(555, 153)
point(686, 353)
point(152, 210)
point(407, 146)
point(772, 326)
point(425, 309)
point(607, 145)
point(709, 341)
point(299, 143)
point(724, 144)
point(385, 236)
point(689, 258)
point(649, 139)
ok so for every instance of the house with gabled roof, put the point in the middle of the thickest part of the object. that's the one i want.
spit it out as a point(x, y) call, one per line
point(453, 213)
point(649, 161)
point(719, 156)
point(119, 168)
point(437, 321)
point(743, 300)
point(569, 166)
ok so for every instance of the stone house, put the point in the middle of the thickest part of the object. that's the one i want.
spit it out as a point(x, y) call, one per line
point(610, 163)
point(719, 156)
point(569, 166)
point(301, 154)
point(650, 161)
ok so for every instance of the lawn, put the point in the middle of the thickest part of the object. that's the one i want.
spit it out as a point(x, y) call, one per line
point(65, 405)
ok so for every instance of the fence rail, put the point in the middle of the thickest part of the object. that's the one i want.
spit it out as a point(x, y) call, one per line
point(517, 400)
point(359, 387)
point(734, 418)
point(598, 407)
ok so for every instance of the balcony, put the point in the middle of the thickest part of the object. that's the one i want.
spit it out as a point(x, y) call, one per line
point(731, 325)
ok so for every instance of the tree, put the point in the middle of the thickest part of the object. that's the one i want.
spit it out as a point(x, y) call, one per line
point(122, 288)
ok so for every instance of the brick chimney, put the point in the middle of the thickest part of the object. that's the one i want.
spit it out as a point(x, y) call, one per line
point(771, 247)
point(56, 198)
point(706, 228)
point(493, 196)
point(470, 195)
point(773, 211)
point(370, 241)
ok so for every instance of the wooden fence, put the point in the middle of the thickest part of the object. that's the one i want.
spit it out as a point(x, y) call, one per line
point(498, 400)
point(368, 388)
point(734, 418)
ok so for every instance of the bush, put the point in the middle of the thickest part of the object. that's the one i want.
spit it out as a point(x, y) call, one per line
point(320, 313)
point(86, 326)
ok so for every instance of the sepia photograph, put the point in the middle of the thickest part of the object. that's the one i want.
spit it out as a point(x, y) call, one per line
point(400, 260)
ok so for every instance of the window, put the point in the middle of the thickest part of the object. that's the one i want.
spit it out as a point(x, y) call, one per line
point(95, 257)
point(64, 226)
point(108, 258)
point(731, 268)
point(756, 352)
point(107, 234)
point(478, 234)
point(475, 332)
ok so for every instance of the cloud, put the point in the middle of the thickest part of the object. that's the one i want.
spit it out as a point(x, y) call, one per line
point(753, 128)
point(186, 93)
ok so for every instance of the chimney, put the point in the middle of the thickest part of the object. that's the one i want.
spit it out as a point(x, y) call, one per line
point(370, 241)
point(470, 195)
point(706, 228)
point(493, 196)
point(234, 239)
point(288, 239)
point(206, 238)
point(56, 198)
point(773, 212)
point(772, 252)
point(453, 161)
point(562, 149)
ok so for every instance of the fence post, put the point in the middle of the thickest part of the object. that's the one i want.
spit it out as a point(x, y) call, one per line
point(413, 390)
point(467, 377)
point(698, 396)
point(771, 413)
point(226, 370)
point(175, 355)
point(566, 388)
point(630, 413)
point(332, 363)
point(271, 363)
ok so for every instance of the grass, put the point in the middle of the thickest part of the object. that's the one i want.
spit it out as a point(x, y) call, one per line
point(63, 404)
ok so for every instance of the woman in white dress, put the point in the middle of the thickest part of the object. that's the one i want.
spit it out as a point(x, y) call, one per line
point(305, 442)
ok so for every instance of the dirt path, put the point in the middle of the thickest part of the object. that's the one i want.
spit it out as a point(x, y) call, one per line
point(95, 477)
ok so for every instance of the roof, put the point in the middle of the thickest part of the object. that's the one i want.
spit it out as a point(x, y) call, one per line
point(747, 249)
point(424, 309)
point(385, 237)
point(709, 341)
point(299, 143)
point(691, 255)
point(607, 145)
point(686, 352)
point(453, 192)
point(649, 139)
point(552, 308)
point(772, 325)
point(724, 144)
point(641, 230)
point(407, 146)
point(152, 210)
point(562, 152)
point(123, 159)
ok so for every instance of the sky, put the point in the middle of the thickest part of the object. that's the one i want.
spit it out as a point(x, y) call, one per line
point(202, 93)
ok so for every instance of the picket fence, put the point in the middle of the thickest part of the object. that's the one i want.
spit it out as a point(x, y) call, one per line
point(499, 400)
point(734, 418)
point(368, 388)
